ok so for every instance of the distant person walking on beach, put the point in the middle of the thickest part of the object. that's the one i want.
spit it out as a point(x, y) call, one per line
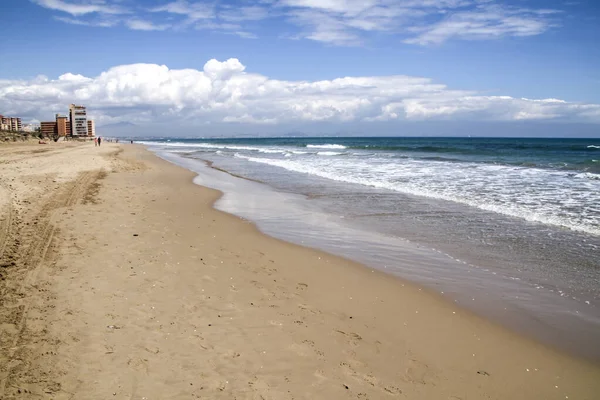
point(95, 141)
point(99, 141)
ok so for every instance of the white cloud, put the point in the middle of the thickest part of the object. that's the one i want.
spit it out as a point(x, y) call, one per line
point(243, 34)
point(226, 92)
point(141, 25)
point(99, 23)
point(69, 77)
point(78, 8)
point(248, 13)
point(485, 22)
point(226, 28)
point(336, 22)
point(192, 11)
point(343, 22)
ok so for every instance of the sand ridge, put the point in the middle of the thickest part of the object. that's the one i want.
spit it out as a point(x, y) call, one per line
point(130, 285)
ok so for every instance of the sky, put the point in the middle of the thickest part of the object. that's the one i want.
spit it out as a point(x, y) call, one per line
point(275, 67)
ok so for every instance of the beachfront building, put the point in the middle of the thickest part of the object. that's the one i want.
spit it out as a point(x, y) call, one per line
point(15, 124)
point(59, 127)
point(4, 123)
point(78, 117)
point(74, 125)
point(63, 127)
point(48, 128)
point(91, 128)
point(10, 124)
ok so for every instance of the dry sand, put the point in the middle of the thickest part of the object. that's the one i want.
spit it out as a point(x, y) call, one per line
point(119, 280)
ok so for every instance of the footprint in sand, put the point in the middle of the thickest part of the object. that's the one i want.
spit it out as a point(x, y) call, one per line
point(301, 286)
point(302, 349)
point(351, 367)
point(417, 372)
point(304, 307)
point(320, 375)
point(392, 390)
point(353, 338)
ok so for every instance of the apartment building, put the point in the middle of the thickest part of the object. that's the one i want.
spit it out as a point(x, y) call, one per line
point(10, 124)
point(78, 117)
point(48, 128)
point(4, 123)
point(76, 124)
point(63, 126)
point(91, 128)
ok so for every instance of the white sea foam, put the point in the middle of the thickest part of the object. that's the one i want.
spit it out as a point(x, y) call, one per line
point(326, 146)
point(593, 146)
point(550, 197)
point(329, 153)
point(589, 175)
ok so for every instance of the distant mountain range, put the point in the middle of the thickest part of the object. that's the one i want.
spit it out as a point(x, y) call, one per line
point(117, 125)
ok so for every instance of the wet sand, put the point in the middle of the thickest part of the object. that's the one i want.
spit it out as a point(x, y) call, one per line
point(119, 280)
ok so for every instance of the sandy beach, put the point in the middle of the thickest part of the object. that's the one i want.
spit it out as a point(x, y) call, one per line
point(119, 280)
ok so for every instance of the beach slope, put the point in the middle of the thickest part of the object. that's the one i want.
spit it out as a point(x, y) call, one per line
point(119, 280)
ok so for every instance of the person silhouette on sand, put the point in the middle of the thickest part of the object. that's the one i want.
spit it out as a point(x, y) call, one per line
point(99, 141)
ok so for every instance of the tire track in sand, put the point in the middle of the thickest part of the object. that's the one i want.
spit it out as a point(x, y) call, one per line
point(38, 239)
point(6, 226)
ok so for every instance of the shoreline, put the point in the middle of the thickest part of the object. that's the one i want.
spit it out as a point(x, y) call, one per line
point(155, 293)
point(572, 334)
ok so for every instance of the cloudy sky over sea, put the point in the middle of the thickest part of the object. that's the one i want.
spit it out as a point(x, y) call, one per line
point(276, 66)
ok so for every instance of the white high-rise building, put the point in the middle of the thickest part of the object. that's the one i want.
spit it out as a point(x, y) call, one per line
point(78, 117)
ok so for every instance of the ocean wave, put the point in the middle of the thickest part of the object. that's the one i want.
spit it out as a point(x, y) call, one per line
point(325, 146)
point(589, 175)
point(197, 145)
point(534, 194)
point(447, 159)
point(151, 143)
point(215, 146)
point(329, 153)
point(464, 148)
point(423, 149)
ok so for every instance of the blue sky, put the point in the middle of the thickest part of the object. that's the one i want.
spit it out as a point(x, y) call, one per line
point(293, 62)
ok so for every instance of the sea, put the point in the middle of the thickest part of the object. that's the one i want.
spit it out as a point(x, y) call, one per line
point(508, 228)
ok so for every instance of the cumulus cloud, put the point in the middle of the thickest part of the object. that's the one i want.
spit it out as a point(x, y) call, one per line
point(224, 91)
point(335, 22)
